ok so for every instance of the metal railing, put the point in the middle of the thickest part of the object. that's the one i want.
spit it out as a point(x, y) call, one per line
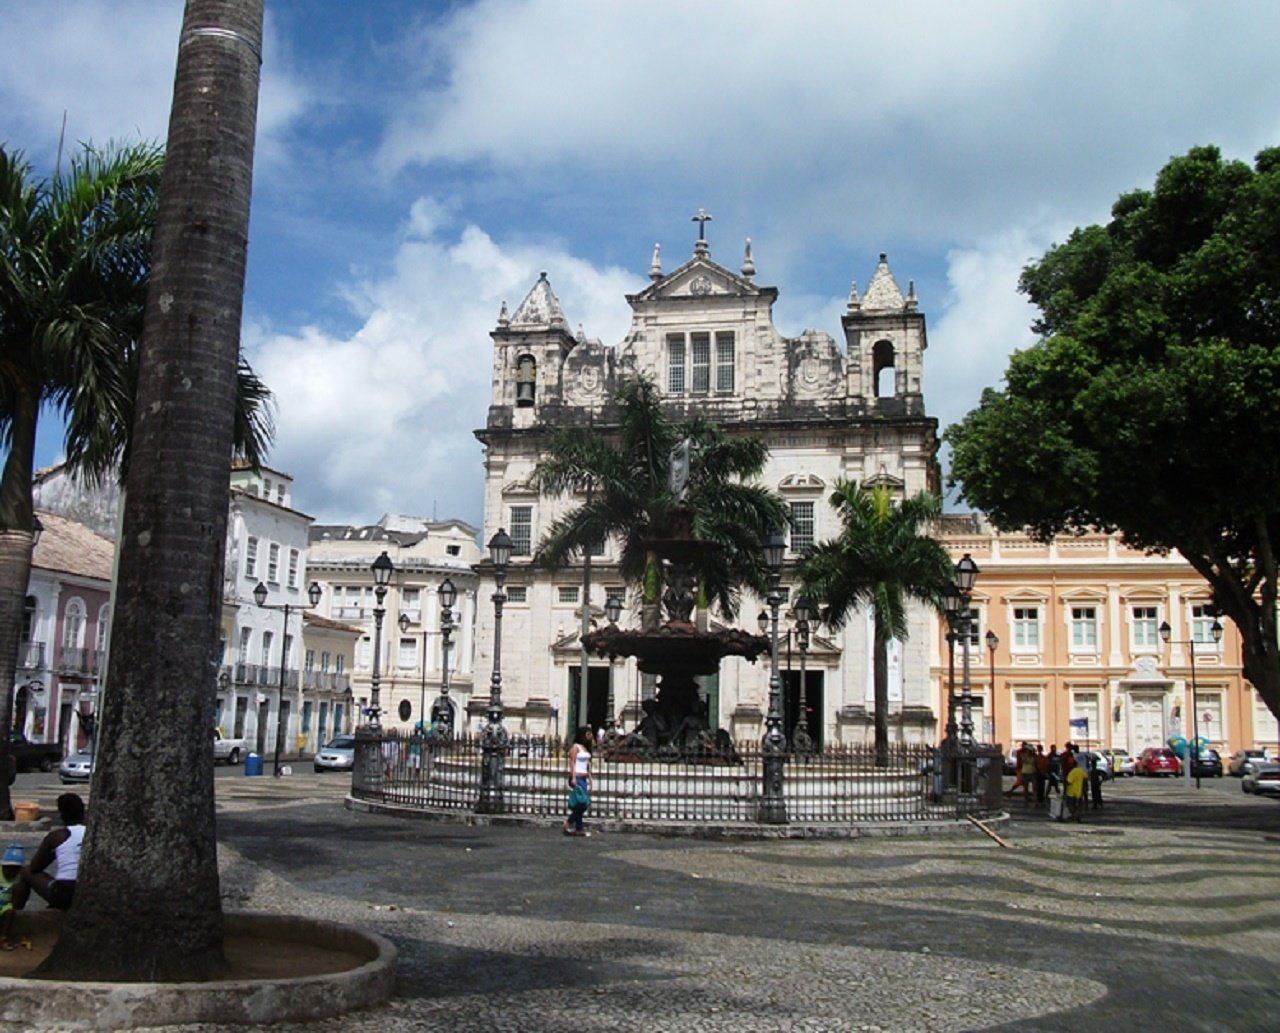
point(835, 786)
point(31, 656)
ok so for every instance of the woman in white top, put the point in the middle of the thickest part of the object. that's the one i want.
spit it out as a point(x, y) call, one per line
point(579, 781)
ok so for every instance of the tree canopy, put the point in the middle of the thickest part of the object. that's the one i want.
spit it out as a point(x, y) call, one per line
point(627, 471)
point(1151, 402)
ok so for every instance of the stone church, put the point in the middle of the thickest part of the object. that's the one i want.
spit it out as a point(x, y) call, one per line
point(851, 409)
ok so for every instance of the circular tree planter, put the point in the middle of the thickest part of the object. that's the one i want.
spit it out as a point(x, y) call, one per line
point(349, 970)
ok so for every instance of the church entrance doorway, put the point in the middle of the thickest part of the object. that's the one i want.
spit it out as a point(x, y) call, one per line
point(592, 707)
point(813, 683)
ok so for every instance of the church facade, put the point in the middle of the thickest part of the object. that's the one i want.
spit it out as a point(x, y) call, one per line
point(828, 409)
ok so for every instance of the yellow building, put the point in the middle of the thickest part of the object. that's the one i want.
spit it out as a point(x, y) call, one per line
point(1077, 652)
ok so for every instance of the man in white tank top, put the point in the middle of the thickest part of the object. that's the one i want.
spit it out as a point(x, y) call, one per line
point(60, 848)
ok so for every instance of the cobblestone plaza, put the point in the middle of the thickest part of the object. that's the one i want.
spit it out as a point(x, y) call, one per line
point(1160, 911)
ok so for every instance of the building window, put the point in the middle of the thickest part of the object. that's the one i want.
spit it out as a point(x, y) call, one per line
point(1212, 726)
point(521, 530)
point(267, 636)
point(324, 660)
point(288, 651)
point(1026, 715)
point(73, 620)
point(1202, 617)
point(1087, 707)
point(1026, 629)
point(675, 364)
point(246, 637)
point(724, 362)
point(251, 557)
point(266, 488)
point(309, 660)
point(453, 550)
point(362, 653)
point(104, 622)
point(700, 347)
point(517, 594)
point(973, 625)
point(801, 526)
point(1145, 630)
point(280, 493)
point(411, 603)
point(597, 547)
point(408, 655)
point(273, 564)
point(1084, 629)
point(567, 593)
point(339, 663)
point(293, 568)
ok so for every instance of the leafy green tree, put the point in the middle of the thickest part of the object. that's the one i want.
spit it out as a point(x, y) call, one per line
point(148, 905)
point(1151, 402)
point(631, 498)
point(881, 558)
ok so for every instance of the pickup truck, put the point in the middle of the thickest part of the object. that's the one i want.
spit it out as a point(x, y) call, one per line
point(28, 755)
point(231, 751)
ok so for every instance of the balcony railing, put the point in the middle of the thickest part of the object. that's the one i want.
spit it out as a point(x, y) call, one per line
point(31, 656)
point(77, 660)
point(325, 681)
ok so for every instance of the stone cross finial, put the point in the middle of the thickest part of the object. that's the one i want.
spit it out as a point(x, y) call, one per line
point(655, 265)
point(748, 263)
point(702, 218)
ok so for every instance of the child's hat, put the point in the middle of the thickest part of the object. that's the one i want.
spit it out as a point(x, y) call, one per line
point(13, 854)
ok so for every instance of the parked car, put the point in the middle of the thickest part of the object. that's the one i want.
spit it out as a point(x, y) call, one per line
point(1099, 757)
point(1158, 760)
point(1122, 762)
point(1243, 761)
point(28, 755)
point(1263, 778)
point(338, 754)
point(76, 768)
point(1207, 764)
point(227, 750)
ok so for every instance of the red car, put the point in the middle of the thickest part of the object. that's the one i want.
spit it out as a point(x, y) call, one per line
point(1158, 760)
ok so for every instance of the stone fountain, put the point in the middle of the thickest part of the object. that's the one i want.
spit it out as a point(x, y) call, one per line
point(676, 724)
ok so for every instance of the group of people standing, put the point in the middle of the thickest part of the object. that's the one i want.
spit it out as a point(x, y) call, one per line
point(1076, 775)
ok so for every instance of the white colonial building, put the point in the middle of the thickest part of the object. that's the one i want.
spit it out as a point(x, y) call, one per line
point(828, 409)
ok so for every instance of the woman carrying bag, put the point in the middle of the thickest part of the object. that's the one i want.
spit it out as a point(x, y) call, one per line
point(579, 781)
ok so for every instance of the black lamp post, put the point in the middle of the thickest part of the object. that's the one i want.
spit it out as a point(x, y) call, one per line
point(773, 808)
point(993, 640)
point(447, 594)
point(493, 740)
point(366, 773)
point(801, 739)
point(612, 611)
point(952, 600)
point(260, 597)
point(966, 576)
point(1193, 750)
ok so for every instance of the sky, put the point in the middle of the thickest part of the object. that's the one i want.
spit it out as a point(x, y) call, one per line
point(419, 163)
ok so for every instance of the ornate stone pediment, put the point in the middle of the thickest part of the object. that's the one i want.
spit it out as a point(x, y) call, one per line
point(698, 278)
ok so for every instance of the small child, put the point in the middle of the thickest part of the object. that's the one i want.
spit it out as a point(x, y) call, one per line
point(10, 865)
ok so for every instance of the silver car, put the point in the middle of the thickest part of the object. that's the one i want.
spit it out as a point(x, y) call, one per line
point(76, 768)
point(1262, 779)
point(338, 755)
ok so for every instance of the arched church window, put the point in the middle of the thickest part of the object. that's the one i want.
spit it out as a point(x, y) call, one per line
point(526, 378)
point(883, 368)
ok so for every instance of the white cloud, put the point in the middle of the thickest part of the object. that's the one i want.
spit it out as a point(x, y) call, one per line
point(382, 419)
point(109, 65)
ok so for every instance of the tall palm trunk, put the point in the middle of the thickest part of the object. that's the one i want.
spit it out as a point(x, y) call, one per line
point(880, 677)
point(15, 562)
point(147, 901)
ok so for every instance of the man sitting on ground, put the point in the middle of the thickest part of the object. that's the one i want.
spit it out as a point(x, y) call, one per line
point(61, 848)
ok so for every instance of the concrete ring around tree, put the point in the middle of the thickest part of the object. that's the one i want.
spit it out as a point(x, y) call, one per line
point(77, 1005)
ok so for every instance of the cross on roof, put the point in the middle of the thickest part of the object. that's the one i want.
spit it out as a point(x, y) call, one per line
point(702, 218)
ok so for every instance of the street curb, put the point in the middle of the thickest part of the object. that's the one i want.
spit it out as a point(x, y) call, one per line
point(76, 1005)
point(693, 830)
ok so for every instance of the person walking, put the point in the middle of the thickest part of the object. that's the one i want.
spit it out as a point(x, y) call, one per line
point(579, 781)
point(1042, 773)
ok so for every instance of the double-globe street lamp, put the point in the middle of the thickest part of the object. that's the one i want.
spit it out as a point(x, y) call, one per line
point(447, 595)
point(260, 597)
point(956, 601)
point(801, 739)
point(368, 769)
point(773, 807)
point(1193, 750)
point(493, 740)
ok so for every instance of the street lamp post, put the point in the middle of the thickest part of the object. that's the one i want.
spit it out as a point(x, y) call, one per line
point(260, 597)
point(1193, 749)
point(612, 611)
point(801, 740)
point(447, 594)
point(493, 740)
point(952, 599)
point(993, 640)
point(966, 576)
point(367, 771)
point(773, 808)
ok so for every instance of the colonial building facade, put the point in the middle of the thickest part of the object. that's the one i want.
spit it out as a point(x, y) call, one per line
point(1078, 654)
point(828, 409)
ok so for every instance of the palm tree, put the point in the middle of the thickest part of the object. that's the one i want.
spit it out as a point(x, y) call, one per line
point(148, 905)
point(631, 498)
point(879, 559)
point(74, 263)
